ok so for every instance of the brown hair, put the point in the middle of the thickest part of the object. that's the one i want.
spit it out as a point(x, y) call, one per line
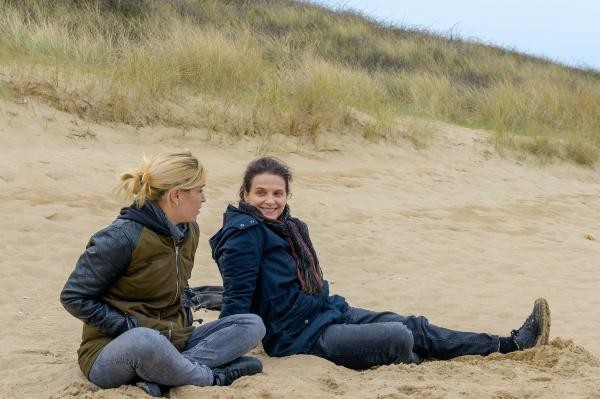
point(269, 165)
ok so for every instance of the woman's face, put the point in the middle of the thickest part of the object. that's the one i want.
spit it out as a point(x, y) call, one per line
point(267, 193)
point(190, 202)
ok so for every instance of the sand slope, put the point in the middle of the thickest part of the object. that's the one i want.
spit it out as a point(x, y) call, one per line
point(454, 232)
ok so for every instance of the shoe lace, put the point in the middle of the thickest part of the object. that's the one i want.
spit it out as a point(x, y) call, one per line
point(228, 375)
point(529, 322)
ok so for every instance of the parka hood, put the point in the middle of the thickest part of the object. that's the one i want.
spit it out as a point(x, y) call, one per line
point(233, 217)
point(151, 216)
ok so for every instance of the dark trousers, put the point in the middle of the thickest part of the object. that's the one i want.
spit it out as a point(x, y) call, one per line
point(365, 339)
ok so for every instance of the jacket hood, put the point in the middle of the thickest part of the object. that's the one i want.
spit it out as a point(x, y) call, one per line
point(232, 217)
point(151, 216)
point(232, 212)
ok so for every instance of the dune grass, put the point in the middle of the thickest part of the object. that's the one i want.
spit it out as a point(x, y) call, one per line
point(276, 66)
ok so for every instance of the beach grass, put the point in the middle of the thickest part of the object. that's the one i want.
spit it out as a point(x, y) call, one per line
point(282, 67)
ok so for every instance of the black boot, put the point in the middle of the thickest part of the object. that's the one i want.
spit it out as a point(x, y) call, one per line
point(151, 388)
point(227, 373)
point(536, 329)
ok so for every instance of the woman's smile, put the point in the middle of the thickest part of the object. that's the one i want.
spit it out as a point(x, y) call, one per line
point(267, 193)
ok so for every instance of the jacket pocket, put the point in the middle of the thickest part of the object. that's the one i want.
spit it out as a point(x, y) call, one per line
point(298, 317)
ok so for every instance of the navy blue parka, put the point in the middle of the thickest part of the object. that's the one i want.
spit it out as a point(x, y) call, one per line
point(259, 276)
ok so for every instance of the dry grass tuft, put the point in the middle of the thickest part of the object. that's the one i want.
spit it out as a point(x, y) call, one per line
point(283, 67)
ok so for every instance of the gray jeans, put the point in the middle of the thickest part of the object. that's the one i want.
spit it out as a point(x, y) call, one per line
point(143, 353)
point(365, 339)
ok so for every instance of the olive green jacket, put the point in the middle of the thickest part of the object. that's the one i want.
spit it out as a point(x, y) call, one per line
point(131, 276)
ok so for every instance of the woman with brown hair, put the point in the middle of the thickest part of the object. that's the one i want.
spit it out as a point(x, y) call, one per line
point(270, 267)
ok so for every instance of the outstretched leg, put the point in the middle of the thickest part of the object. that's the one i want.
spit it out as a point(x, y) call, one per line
point(431, 341)
point(435, 342)
point(360, 346)
point(365, 339)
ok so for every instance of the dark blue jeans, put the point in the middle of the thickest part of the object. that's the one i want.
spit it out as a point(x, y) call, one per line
point(365, 339)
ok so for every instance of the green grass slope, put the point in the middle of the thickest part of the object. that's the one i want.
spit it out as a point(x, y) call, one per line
point(276, 66)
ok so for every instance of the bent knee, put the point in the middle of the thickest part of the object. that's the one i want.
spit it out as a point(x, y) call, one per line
point(255, 326)
point(251, 323)
point(144, 339)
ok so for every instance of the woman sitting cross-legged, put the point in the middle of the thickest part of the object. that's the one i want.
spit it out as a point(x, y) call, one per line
point(129, 289)
point(270, 267)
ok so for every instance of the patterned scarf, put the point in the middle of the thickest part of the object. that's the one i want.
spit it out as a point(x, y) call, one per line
point(295, 232)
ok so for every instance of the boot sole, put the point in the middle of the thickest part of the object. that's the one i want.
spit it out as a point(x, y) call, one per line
point(542, 311)
point(150, 388)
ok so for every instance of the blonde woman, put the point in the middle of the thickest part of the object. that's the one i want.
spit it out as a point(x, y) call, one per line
point(129, 289)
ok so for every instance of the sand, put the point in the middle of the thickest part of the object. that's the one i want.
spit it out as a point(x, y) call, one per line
point(455, 232)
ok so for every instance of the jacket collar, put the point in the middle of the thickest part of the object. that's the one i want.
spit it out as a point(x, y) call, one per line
point(151, 216)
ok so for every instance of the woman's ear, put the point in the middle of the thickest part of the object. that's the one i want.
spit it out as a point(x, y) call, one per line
point(174, 196)
point(245, 196)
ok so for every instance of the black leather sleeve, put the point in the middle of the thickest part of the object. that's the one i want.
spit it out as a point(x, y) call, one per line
point(107, 256)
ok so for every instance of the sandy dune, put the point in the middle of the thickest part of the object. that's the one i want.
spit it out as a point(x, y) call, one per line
point(454, 232)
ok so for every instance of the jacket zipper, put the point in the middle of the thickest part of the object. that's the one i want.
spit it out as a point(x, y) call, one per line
point(128, 321)
point(176, 273)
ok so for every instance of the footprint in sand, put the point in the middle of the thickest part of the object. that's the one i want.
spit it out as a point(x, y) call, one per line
point(76, 389)
point(7, 178)
point(410, 389)
point(58, 175)
point(331, 385)
point(59, 217)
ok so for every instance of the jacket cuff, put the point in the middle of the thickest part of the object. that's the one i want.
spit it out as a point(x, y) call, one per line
point(128, 323)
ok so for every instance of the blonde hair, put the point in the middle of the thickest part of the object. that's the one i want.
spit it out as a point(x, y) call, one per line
point(160, 173)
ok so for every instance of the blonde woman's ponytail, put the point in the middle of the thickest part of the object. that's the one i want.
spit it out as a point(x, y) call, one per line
point(158, 174)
